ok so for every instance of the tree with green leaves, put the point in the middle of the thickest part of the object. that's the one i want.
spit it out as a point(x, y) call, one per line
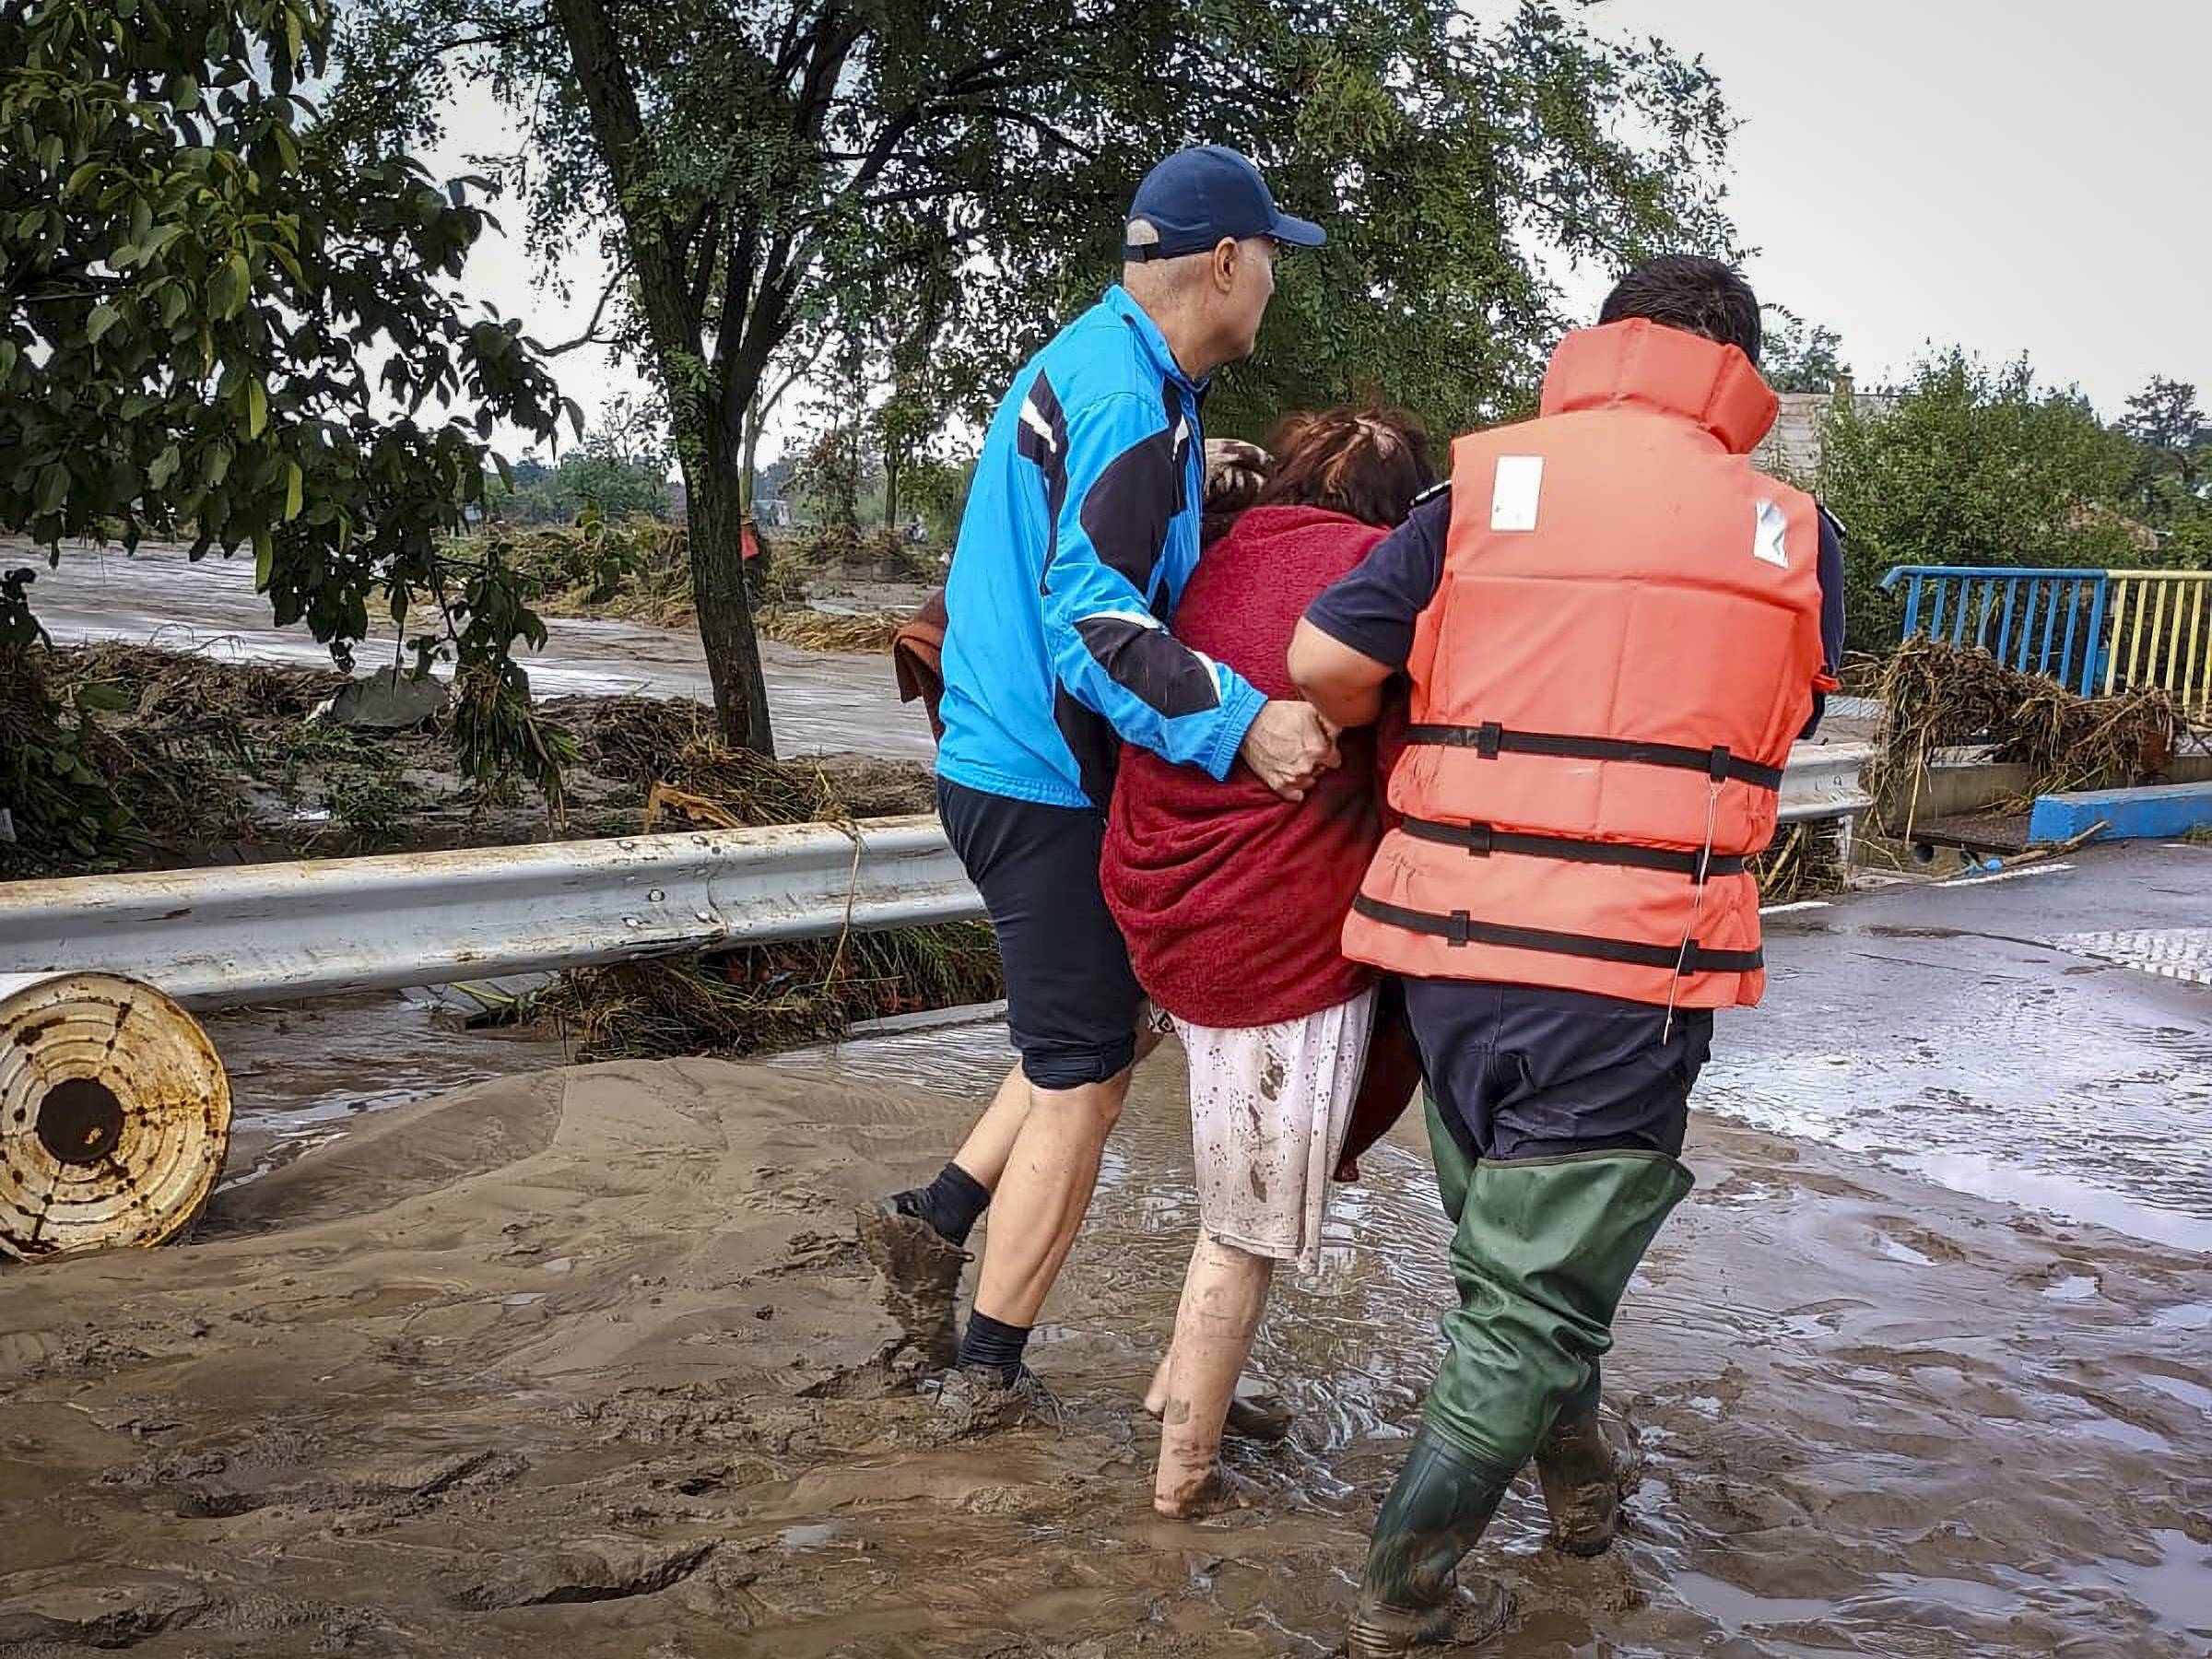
point(767, 175)
point(221, 326)
point(620, 469)
point(1975, 465)
point(1799, 356)
point(2177, 440)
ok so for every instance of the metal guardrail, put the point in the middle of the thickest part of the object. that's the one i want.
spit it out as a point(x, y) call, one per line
point(1825, 783)
point(2091, 631)
point(286, 932)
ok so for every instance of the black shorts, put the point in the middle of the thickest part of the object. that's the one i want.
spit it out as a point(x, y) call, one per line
point(1519, 1071)
point(1072, 1000)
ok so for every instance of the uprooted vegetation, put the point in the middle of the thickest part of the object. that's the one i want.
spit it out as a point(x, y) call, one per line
point(771, 997)
point(124, 756)
point(1805, 862)
point(1939, 696)
point(638, 570)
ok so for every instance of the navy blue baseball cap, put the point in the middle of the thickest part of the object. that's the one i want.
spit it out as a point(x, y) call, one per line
point(1197, 197)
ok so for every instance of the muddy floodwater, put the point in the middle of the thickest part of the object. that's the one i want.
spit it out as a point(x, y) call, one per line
point(585, 1362)
point(819, 701)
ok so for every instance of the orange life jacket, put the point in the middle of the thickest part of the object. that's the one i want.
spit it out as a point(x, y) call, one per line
point(1606, 687)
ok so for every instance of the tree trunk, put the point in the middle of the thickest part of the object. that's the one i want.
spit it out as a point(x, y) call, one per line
point(748, 472)
point(890, 487)
point(705, 437)
point(725, 614)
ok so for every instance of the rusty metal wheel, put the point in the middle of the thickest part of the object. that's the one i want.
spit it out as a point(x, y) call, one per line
point(114, 1114)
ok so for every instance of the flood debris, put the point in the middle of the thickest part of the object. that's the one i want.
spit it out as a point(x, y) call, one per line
point(188, 759)
point(766, 997)
point(811, 630)
point(390, 700)
point(638, 570)
point(1938, 696)
point(1805, 862)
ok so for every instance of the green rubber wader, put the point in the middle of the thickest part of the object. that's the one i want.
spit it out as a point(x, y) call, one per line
point(1437, 1511)
point(1543, 1253)
point(1454, 1169)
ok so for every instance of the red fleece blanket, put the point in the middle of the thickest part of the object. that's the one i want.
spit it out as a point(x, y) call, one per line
point(1233, 900)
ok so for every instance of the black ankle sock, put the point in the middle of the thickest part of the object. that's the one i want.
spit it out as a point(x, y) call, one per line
point(989, 1342)
point(950, 1204)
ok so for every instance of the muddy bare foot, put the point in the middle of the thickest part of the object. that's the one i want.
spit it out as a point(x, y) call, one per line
point(1218, 1493)
point(921, 1271)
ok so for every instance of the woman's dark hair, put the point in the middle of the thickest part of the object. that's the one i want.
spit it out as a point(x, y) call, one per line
point(1682, 290)
point(1235, 474)
point(1366, 464)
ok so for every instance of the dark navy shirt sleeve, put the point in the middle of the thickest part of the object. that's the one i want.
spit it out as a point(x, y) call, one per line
point(1372, 609)
point(1832, 610)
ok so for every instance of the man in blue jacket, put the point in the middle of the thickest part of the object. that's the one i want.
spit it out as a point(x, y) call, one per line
point(1080, 531)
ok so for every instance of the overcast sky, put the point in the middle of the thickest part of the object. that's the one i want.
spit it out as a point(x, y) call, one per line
point(2010, 176)
point(2025, 175)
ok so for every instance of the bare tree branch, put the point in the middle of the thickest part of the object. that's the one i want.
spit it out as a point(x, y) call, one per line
point(591, 332)
point(512, 35)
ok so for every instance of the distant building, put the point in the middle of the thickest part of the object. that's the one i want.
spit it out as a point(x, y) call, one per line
point(1792, 450)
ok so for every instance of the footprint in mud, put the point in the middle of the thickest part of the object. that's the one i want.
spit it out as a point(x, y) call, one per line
point(1916, 1246)
point(1819, 1322)
point(611, 1568)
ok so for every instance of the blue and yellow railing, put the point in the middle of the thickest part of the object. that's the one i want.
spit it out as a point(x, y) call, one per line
point(2096, 631)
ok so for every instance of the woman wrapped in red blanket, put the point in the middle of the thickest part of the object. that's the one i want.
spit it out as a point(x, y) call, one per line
point(1233, 900)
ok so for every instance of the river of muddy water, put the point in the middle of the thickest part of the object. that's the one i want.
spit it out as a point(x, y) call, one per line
point(820, 700)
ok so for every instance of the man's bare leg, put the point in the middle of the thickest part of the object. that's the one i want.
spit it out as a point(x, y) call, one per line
point(984, 1153)
point(1038, 1210)
point(1223, 1296)
point(947, 1203)
point(1044, 1195)
point(914, 1238)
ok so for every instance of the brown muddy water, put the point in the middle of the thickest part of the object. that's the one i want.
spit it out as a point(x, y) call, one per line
point(585, 1362)
point(820, 700)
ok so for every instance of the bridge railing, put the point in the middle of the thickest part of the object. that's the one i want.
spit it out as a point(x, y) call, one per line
point(2095, 631)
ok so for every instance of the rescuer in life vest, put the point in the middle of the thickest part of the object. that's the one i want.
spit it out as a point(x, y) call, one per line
point(1612, 628)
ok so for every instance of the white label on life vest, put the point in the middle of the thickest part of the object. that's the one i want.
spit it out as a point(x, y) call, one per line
point(1767, 531)
point(1513, 495)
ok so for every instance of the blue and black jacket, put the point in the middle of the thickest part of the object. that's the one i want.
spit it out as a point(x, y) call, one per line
point(1080, 532)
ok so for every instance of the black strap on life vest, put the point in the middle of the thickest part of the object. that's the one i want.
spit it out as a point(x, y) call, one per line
point(1491, 740)
point(1459, 928)
point(1482, 839)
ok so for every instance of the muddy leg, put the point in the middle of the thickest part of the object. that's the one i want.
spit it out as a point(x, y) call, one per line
point(1222, 1298)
